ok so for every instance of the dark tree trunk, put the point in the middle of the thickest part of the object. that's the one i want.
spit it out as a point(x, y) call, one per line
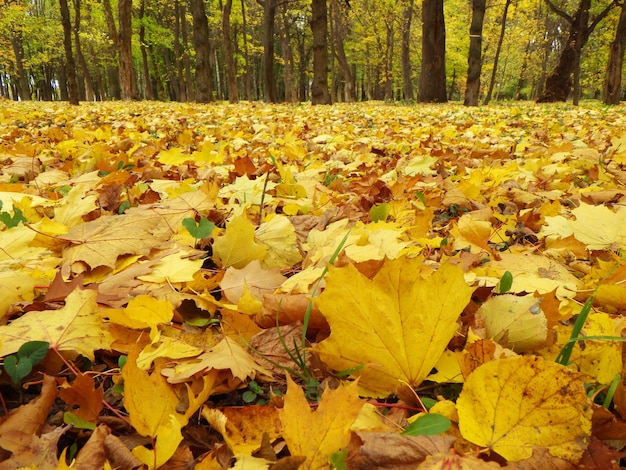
point(389, 60)
point(474, 59)
point(127, 74)
point(291, 94)
point(72, 84)
point(319, 28)
point(149, 88)
point(433, 72)
point(612, 90)
point(407, 18)
point(559, 82)
point(80, 57)
point(23, 87)
point(247, 87)
point(204, 85)
point(496, 58)
point(231, 68)
point(270, 91)
point(178, 54)
point(340, 34)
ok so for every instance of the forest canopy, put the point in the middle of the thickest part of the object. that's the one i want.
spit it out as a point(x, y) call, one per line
point(321, 50)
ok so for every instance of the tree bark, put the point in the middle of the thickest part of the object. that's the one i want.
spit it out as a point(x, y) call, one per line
point(474, 59)
point(80, 57)
point(204, 84)
point(127, 74)
point(291, 94)
point(407, 18)
point(612, 90)
point(433, 72)
point(496, 58)
point(270, 91)
point(340, 35)
point(319, 29)
point(72, 84)
point(559, 82)
point(23, 87)
point(149, 88)
point(178, 54)
point(231, 67)
point(389, 59)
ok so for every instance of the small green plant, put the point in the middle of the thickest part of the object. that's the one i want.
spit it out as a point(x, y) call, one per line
point(12, 220)
point(506, 281)
point(198, 230)
point(20, 364)
point(256, 394)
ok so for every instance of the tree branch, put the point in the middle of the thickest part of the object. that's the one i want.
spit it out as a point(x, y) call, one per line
point(559, 12)
point(601, 16)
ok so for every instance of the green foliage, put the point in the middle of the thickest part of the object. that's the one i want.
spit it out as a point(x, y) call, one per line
point(198, 230)
point(20, 364)
point(429, 424)
point(506, 281)
point(12, 220)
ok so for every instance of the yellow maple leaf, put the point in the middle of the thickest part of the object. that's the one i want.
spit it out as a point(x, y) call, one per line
point(599, 227)
point(141, 312)
point(318, 434)
point(279, 237)
point(151, 404)
point(225, 355)
point(513, 404)
point(237, 246)
point(74, 328)
point(397, 324)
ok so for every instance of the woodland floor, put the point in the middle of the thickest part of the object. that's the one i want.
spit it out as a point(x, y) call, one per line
point(200, 285)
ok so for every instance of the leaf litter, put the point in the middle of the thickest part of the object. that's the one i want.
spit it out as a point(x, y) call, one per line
point(346, 269)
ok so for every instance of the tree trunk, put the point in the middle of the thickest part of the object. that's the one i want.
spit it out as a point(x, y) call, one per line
point(127, 74)
point(270, 92)
point(612, 90)
point(72, 84)
point(80, 57)
point(340, 35)
point(149, 88)
point(178, 55)
point(247, 87)
point(433, 72)
point(474, 59)
point(319, 29)
point(291, 94)
point(559, 83)
point(496, 58)
point(23, 86)
point(407, 84)
point(204, 85)
point(231, 67)
point(389, 60)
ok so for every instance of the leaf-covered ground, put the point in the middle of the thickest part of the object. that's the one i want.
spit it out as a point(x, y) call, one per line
point(201, 285)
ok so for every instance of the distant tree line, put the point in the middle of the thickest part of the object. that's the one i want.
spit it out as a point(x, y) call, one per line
point(319, 50)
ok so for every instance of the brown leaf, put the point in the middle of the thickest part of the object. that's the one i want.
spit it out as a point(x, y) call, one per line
point(368, 450)
point(30, 418)
point(83, 397)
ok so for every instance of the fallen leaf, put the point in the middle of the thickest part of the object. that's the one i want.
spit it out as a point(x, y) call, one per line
point(397, 324)
point(513, 404)
point(73, 329)
point(237, 246)
point(157, 417)
point(317, 434)
point(393, 451)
